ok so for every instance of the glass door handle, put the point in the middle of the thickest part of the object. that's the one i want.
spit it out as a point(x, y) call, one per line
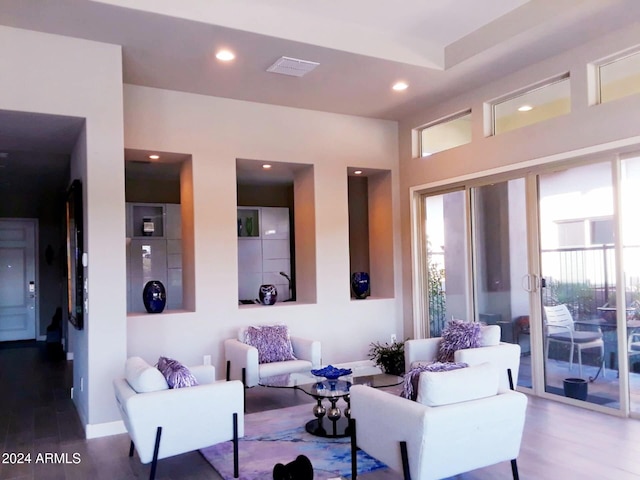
point(530, 282)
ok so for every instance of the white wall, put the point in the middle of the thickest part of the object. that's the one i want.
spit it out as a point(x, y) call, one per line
point(215, 132)
point(59, 75)
point(585, 130)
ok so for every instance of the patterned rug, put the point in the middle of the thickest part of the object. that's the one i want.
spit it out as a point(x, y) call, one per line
point(278, 436)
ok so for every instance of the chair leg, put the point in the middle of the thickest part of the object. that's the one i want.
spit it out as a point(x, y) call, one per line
point(510, 375)
point(236, 467)
point(131, 449)
point(571, 358)
point(580, 361)
point(244, 390)
point(228, 370)
point(514, 469)
point(405, 460)
point(354, 449)
point(156, 449)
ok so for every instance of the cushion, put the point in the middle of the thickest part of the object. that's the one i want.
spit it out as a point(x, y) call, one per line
point(410, 385)
point(143, 377)
point(176, 374)
point(443, 388)
point(458, 335)
point(489, 335)
point(272, 341)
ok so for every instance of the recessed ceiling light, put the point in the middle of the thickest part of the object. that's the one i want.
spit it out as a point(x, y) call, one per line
point(154, 157)
point(358, 172)
point(266, 166)
point(399, 86)
point(525, 108)
point(225, 55)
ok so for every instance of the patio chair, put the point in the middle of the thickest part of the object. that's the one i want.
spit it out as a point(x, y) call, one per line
point(560, 328)
point(633, 346)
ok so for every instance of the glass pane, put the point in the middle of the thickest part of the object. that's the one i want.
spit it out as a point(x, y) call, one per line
point(579, 297)
point(534, 106)
point(445, 135)
point(446, 259)
point(630, 187)
point(500, 253)
point(620, 78)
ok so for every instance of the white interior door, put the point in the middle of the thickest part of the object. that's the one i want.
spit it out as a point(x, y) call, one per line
point(17, 280)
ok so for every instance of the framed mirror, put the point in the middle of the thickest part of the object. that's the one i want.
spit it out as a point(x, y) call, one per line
point(75, 269)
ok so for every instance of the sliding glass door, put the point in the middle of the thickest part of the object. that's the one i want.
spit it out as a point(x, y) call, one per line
point(445, 250)
point(496, 248)
point(630, 229)
point(578, 265)
point(500, 267)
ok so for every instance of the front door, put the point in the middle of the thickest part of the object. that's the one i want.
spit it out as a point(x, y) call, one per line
point(17, 279)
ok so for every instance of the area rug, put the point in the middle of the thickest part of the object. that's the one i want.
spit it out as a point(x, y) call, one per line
point(278, 436)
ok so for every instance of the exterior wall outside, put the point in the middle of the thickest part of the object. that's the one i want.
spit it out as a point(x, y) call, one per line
point(58, 75)
point(587, 129)
point(214, 131)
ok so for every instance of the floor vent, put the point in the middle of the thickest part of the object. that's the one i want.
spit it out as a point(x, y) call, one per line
point(292, 66)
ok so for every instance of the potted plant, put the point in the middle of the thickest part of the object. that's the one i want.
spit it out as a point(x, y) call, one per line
point(389, 357)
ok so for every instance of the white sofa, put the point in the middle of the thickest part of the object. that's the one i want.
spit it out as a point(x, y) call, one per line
point(242, 359)
point(163, 422)
point(505, 356)
point(461, 421)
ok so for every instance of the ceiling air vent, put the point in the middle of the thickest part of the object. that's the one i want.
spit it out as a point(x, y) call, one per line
point(292, 66)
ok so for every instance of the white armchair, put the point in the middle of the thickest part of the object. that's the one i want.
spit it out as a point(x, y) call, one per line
point(505, 356)
point(242, 359)
point(163, 422)
point(461, 421)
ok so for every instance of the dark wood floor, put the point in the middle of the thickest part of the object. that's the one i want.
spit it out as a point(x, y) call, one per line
point(38, 417)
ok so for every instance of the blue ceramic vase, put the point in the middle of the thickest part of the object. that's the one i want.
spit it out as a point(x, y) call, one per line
point(154, 296)
point(268, 294)
point(360, 284)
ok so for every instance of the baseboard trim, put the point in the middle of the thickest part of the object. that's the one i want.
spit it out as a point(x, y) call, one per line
point(107, 429)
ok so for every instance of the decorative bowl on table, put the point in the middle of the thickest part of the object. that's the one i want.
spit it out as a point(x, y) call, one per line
point(331, 373)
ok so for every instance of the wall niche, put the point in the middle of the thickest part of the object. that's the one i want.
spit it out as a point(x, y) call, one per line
point(371, 229)
point(276, 230)
point(159, 215)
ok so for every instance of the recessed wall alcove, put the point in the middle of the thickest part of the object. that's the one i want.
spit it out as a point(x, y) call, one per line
point(159, 196)
point(276, 231)
point(371, 228)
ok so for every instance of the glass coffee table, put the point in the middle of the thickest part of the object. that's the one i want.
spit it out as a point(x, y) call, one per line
point(331, 390)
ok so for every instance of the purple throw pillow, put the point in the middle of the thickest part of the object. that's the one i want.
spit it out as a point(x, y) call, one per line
point(176, 374)
point(458, 335)
point(272, 341)
point(410, 385)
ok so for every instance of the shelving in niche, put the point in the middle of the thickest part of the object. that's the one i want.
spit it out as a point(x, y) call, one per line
point(264, 256)
point(248, 222)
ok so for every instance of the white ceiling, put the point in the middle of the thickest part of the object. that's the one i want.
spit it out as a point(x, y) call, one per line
point(441, 48)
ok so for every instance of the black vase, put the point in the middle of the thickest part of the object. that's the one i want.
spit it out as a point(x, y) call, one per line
point(268, 294)
point(360, 284)
point(154, 296)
